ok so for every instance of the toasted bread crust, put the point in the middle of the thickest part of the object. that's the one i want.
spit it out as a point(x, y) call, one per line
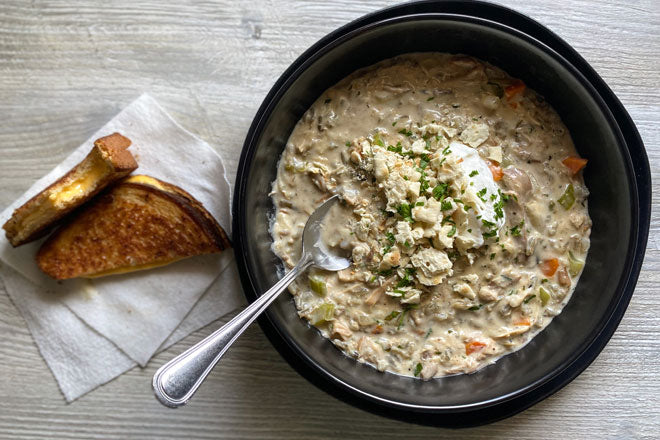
point(114, 150)
point(195, 209)
point(110, 150)
point(129, 226)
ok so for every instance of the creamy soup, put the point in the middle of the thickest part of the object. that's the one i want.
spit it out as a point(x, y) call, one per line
point(463, 207)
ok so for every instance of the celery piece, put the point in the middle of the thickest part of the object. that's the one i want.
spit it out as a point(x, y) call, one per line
point(295, 166)
point(318, 286)
point(506, 161)
point(568, 198)
point(544, 295)
point(575, 265)
point(323, 313)
point(495, 88)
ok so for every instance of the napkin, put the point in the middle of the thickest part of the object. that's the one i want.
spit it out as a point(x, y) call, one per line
point(90, 331)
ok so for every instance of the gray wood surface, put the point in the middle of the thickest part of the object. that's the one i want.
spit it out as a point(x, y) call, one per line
point(66, 67)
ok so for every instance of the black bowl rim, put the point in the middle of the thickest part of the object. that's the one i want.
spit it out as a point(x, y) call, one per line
point(507, 405)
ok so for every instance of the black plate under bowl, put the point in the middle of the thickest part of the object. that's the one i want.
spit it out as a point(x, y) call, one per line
point(617, 175)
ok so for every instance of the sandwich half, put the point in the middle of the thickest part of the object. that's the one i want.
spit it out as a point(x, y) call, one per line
point(139, 223)
point(108, 162)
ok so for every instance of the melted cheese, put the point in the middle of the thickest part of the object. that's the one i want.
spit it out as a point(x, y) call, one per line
point(146, 180)
point(82, 185)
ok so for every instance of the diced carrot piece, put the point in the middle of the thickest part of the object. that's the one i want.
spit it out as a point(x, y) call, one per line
point(574, 164)
point(459, 160)
point(514, 89)
point(549, 267)
point(377, 330)
point(496, 171)
point(523, 321)
point(473, 346)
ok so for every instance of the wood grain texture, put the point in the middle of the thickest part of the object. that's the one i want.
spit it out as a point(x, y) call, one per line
point(67, 67)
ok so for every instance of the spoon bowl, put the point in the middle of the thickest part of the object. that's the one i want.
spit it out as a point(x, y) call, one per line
point(175, 382)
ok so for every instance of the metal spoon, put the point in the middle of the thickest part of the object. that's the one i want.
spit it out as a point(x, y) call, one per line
point(175, 382)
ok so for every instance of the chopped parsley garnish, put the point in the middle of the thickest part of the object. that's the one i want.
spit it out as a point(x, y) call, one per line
point(515, 231)
point(529, 298)
point(447, 219)
point(397, 149)
point(446, 205)
point(424, 160)
point(385, 273)
point(405, 212)
point(474, 173)
point(498, 207)
point(544, 280)
point(406, 243)
point(423, 183)
point(428, 145)
point(419, 204)
point(440, 190)
point(348, 143)
point(486, 223)
point(404, 282)
point(474, 308)
point(492, 256)
point(400, 292)
point(378, 141)
point(452, 232)
point(418, 367)
point(506, 197)
point(446, 151)
point(489, 234)
point(393, 123)
point(492, 197)
point(431, 98)
point(405, 132)
point(391, 240)
point(428, 333)
point(481, 193)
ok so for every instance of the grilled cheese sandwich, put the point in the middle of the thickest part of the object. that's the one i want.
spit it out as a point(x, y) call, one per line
point(108, 161)
point(137, 224)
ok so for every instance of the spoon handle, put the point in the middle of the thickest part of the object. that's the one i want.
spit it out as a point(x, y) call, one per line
point(175, 382)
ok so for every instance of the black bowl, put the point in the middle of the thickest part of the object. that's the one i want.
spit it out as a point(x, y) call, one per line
point(618, 177)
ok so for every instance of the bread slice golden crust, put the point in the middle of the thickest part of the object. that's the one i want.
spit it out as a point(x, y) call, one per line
point(139, 223)
point(108, 161)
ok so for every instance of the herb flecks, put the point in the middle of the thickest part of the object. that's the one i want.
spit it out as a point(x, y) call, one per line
point(405, 211)
point(440, 191)
point(517, 229)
